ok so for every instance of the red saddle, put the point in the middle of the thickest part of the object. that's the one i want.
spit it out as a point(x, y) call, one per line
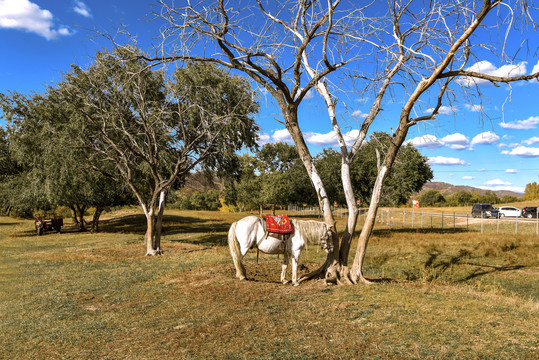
point(278, 224)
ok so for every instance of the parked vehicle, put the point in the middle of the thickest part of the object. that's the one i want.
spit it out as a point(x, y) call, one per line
point(529, 212)
point(484, 210)
point(509, 211)
point(44, 222)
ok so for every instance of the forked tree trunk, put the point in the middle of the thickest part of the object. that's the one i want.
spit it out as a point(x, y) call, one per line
point(74, 215)
point(154, 223)
point(95, 219)
point(80, 213)
point(331, 268)
point(357, 267)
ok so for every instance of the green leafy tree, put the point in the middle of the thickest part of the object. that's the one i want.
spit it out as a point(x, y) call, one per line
point(408, 174)
point(490, 197)
point(8, 171)
point(531, 192)
point(508, 199)
point(460, 198)
point(154, 132)
point(431, 198)
point(55, 170)
point(283, 177)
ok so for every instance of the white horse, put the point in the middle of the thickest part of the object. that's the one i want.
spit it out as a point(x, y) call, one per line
point(250, 232)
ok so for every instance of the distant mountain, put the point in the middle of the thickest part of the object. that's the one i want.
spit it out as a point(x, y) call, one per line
point(200, 182)
point(448, 189)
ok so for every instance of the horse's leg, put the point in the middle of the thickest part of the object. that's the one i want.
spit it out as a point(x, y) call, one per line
point(295, 259)
point(285, 266)
point(235, 251)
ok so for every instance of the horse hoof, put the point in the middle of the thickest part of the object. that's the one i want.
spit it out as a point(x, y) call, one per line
point(285, 282)
point(296, 284)
point(242, 278)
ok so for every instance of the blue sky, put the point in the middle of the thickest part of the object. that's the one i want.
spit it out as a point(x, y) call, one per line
point(493, 145)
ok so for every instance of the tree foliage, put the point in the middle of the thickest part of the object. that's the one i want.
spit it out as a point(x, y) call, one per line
point(154, 131)
point(408, 175)
point(531, 192)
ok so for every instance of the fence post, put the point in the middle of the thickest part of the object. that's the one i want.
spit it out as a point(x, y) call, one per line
point(467, 227)
point(497, 225)
point(431, 220)
point(454, 222)
point(421, 219)
point(412, 219)
point(442, 220)
point(481, 222)
point(516, 225)
point(403, 218)
point(388, 219)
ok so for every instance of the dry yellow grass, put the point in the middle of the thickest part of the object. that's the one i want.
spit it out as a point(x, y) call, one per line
point(95, 296)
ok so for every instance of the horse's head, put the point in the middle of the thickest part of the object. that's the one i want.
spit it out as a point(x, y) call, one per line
point(325, 241)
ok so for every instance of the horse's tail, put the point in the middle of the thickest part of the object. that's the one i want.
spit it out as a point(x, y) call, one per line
point(235, 250)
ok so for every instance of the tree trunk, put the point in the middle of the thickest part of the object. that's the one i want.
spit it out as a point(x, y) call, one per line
point(95, 220)
point(74, 215)
point(331, 268)
point(154, 224)
point(80, 211)
point(398, 139)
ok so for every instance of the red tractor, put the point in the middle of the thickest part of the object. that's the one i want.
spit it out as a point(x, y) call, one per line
point(45, 222)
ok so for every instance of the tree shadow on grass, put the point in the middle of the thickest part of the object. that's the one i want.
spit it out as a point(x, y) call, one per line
point(175, 228)
point(463, 258)
point(491, 269)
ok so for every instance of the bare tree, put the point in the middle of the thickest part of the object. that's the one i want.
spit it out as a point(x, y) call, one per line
point(417, 50)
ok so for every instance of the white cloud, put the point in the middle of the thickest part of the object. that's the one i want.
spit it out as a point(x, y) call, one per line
point(531, 141)
point(442, 160)
point(27, 16)
point(536, 69)
point(427, 141)
point(467, 178)
point(359, 114)
point(485, 138)
point(481, 170)
point(523, 151)
point(263, 139)
point(330, 139)
point(497, 182)
point(474, 108)
point(529, 123)
point(512, 171)
point(321, 139)
point(485, 67)
point(281, 136)
point(517, 189)
point(456, 141)
point(81, 9)
point(444, 110)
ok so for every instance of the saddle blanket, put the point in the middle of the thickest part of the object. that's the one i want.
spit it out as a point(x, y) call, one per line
point(278, 224)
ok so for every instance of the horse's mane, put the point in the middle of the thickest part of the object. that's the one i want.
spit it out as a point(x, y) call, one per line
point(310, 230)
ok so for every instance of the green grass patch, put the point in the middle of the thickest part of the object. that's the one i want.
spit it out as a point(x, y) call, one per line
point(436, 295)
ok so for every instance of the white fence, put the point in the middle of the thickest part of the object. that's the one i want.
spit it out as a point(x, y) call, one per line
point(457, 221)
point(447, 221)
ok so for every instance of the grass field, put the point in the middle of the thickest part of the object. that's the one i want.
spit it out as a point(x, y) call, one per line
point(437, 295)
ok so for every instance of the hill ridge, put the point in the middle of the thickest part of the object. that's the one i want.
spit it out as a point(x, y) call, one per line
point(448, 189)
